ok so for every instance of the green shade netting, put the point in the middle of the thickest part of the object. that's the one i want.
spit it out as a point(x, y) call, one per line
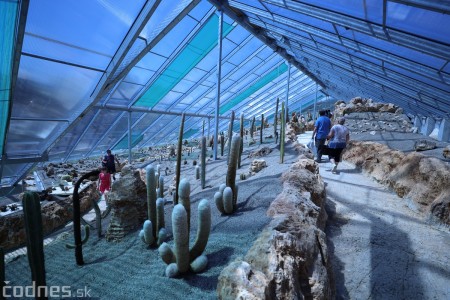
point(8, 13)
point(253, 88)
point(202, 43)
point(123, 144)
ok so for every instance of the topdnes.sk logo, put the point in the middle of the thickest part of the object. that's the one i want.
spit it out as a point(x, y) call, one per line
point(53, 291)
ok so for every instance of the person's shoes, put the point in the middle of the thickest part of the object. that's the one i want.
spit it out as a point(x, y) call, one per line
point(334, 170)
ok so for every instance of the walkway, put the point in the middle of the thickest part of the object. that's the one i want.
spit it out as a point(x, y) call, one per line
point(380, 248)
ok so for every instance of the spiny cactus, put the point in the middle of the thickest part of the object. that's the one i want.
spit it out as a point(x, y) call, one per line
point(34, 236)
point(153, 228)
point(181, 258)
point(230, 135)
point(160, 193)
point(222, 142)
point(226, 198)
point(241, 134)
point(77, 217)
point(283, 133)
point(261, 130)
point(203, 161)
point(184, 192)
point(179, 152)
point(86, 229)
point(275, 119)
point(252, 127)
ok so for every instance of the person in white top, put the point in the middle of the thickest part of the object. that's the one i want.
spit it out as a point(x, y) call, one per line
point(338, 138)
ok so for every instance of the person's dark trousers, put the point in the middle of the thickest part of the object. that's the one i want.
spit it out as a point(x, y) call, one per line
point(319, 146)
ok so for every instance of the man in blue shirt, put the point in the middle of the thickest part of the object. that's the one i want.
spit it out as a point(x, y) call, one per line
point(321, 130)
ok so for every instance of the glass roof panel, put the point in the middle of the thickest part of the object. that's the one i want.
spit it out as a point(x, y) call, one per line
point(203, 42)
point(371, 10)
point(37, 94)
point(428, 24)
point(100, 28)
point(8, 12)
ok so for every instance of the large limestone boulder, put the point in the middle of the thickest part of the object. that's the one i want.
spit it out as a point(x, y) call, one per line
point(290, 259)
point(128, 202)
point(424, 180)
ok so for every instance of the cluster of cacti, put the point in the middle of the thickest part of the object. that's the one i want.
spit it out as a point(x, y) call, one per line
point(282, 133)
point(34, 237)
point(179, 154)
point(203, 162)
point(154, 228)
point(261, 130)
point(243, 176)
point(226, 197)
point(77, 218)
point(241, 134)
point(181, 259)
point(230, 135)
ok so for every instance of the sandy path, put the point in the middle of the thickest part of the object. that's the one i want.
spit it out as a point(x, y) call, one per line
point(382, 249)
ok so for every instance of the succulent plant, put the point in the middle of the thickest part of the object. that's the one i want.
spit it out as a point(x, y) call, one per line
point(203, 162)
point(86, 229)
point(282, 133)
point(241, 134)
point(34, 236)
point(197, 172)
point(153, 228)
point(181, 259)
point(222, 142)
point(226, 198)
point(261, 130)
point(243, 176)
point(230, 135)
point(275, 119)
point(2, 271)
point(77, 217)
point(179, 154)
point(160, 193)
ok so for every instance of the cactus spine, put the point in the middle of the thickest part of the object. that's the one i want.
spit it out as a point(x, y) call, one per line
point(153, 228)
point(282, 132)
point(179, 151)
point(181, 258)
point(230, 135)
point(35, 238)
point(203, 162)
point(261, 129)
point(241, 134)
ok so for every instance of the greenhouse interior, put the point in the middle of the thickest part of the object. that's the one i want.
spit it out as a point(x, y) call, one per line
point(311, 137)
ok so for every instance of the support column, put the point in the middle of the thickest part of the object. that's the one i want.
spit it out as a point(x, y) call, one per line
point(129, 137)
point(427, 126)
point(219, 75)
point(444, 131)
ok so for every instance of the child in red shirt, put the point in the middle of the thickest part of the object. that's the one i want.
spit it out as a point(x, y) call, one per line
point(104, 181)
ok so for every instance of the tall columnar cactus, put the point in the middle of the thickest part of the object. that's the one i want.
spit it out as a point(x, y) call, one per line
point(283, 133)
point(222, 142)
point(179, 152)
point(230, 135)
point(241, 134)
point(35, 237)
point(226, 198)
point(275, 119)
point(77, 217)
point(181, 259)
point(160, 193)
point(252, 127)
point(153, 229)
point(203, 161)
point(261, 129)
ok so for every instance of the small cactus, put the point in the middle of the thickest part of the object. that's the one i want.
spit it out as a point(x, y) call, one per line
point(241, 134)
point(243, 176)
point(252, 127)
point(230, 135)
point(261, 130)
point(197, 172)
